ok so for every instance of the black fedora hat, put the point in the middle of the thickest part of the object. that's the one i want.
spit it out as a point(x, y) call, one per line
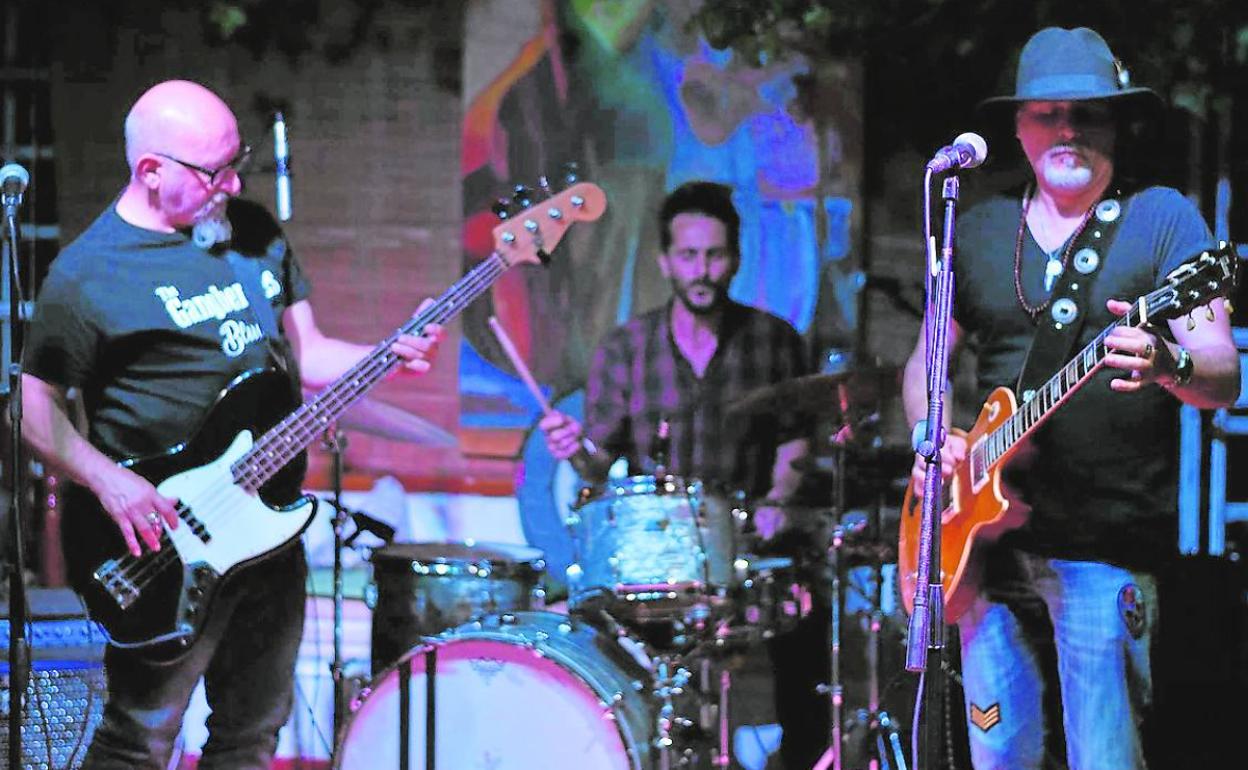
point(1063, 65)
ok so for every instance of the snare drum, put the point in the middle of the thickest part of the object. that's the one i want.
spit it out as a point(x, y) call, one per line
point(511, 692)
point(659, 546)
point(422, 589)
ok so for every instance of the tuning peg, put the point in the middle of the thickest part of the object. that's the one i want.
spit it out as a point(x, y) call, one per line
point(571, 173)
point(501, 208)
point(522, 196)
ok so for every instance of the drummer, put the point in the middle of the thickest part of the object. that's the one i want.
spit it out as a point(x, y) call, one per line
point(657, 394)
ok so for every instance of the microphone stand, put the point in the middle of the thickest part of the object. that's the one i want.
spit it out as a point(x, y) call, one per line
point(19, 651)
point(336, 443)
point(926, 631)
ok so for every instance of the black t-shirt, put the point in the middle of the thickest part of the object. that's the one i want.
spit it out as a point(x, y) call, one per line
point(1103, 479)
point(151, 327)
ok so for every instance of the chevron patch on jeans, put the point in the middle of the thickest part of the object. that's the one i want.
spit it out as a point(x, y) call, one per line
point(986, 719)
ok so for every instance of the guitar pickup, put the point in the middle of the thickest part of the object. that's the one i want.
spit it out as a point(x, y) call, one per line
point(118, 586)
point(197, 526)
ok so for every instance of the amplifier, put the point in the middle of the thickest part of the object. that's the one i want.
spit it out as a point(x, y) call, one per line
point(65, 696)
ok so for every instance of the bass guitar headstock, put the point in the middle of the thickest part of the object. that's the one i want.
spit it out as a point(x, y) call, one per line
point(532, 228)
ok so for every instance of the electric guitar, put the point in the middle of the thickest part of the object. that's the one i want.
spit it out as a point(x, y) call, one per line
point(237, 481)
point(979, 509)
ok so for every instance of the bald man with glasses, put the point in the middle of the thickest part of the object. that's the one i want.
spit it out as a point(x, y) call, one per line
point(149, 314)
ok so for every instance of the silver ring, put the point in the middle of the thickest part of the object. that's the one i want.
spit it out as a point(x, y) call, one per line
point(154, 518)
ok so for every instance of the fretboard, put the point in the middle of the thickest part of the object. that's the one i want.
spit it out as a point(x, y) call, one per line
point(1036, 409)
point(284, 441)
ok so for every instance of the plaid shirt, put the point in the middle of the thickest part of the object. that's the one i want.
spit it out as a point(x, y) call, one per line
point(638, 376)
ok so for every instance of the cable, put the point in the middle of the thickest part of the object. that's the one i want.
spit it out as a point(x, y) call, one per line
point(90, 704)
point(310, 704)
point(918, 718)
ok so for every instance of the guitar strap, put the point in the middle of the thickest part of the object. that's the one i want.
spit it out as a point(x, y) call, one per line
point(1059, 329)
point(248, 274)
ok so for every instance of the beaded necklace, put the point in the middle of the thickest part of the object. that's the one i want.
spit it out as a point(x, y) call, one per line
point(1035, 310)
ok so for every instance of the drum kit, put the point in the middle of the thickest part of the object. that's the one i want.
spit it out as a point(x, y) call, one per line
point(668, 590)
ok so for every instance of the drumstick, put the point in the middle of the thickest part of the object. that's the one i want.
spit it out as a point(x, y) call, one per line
point(521, 368)
point(580, 459)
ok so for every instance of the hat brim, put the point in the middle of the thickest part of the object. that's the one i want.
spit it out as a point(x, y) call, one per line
point(1138, 94)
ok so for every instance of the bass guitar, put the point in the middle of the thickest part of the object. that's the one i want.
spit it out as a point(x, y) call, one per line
point(979, 508)
point(237, 480)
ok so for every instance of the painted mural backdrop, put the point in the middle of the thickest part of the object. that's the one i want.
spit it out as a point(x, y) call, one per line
point(641, 103)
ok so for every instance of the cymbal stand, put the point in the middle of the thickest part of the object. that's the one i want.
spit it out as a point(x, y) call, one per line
point(880, 725)
point(832, 755)
point(715, 715)
point(336, 443)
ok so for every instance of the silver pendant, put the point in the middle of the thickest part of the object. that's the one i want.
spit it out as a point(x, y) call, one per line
point(1052, 271)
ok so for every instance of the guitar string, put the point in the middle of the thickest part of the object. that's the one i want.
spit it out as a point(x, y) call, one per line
point(372, 365)
point(1010, 432)
point(140, 570)
point(1003, 439)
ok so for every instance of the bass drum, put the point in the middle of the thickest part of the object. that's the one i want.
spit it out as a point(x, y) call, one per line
point(509, 692)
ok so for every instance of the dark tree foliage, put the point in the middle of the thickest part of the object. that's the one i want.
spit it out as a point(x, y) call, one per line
point(927, 63)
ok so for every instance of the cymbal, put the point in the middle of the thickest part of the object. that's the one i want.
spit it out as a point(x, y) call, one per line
point(845, 393)
point(377, 418)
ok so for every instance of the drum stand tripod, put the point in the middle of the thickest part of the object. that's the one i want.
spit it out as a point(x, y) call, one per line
point(882, 729)
point(673, 726)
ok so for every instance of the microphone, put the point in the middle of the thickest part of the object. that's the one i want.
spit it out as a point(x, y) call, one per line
point(13, 182)
point(281, 158)
point(967, 151)
point(365, 523)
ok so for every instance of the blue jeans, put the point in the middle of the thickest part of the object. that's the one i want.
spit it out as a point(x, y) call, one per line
point(246, 656)
point(1089, 623)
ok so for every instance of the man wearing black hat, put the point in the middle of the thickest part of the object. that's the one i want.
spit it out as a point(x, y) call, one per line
point(1067, 602)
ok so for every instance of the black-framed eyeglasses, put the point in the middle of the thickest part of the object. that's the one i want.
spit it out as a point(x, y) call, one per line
point(239, 165)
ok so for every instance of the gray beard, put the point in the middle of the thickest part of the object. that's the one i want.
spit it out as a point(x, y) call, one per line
point(211, 230)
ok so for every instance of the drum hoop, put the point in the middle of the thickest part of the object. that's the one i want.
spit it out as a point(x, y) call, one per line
point(454, 566)
point(641, 486)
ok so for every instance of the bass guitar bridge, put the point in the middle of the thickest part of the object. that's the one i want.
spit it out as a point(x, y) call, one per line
point(119, 586)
